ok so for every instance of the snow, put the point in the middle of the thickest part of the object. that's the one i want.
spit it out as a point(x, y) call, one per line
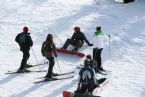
point(124, 22)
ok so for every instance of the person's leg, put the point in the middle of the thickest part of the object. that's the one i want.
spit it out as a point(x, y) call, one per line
point(67, 43)
point(50, 68)
point(98, 58)
point(77, 45)
point(94, 53)
point(26, 55)
point(100, 81)
point(91, 87)
point(83, 89)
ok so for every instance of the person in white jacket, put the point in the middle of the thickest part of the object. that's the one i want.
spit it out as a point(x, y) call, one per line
point(99, 40)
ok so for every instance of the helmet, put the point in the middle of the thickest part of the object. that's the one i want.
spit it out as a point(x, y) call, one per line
point(98, 28)
point(77, 29)
point(25, 29)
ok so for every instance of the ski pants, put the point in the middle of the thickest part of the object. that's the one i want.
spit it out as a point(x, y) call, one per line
point(26, 56)
point(51, 65)
point(97, 56)
point(76, 44)
point(86, 88)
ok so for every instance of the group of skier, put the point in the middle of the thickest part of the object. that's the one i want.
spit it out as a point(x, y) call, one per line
point(92, 64)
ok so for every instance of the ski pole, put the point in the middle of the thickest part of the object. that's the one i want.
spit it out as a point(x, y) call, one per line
point(36, 59)
point(34, 55)
point(109, 46)
point(58, 65)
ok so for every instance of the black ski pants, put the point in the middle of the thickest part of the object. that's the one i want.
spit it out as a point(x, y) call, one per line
point(74, 43)
point(26, 56)
point(51, 65)
point(86, 88)
point(97, 56)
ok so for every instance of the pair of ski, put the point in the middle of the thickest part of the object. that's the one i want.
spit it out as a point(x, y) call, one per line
point(16, 72)
point(54, 78)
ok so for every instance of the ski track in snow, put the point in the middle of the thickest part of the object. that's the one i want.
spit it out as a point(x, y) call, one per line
point(125, 24)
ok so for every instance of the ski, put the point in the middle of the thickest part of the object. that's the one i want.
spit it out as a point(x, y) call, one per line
point(36, 65)
point(53, 79)
point(59, 74)
point(16, 72)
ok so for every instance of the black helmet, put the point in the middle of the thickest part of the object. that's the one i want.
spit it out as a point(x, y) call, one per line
point(98, 28)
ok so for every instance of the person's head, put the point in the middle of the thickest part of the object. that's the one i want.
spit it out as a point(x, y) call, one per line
point(89, 57)
point(25, 29)
point(77, 29)
point(98, 28)
point(49, 38)
point(86, 62)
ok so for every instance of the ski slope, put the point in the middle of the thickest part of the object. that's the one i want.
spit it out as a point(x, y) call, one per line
point(124, 22)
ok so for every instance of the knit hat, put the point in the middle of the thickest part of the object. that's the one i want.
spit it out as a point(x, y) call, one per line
point(25, 29)
point(77, 29)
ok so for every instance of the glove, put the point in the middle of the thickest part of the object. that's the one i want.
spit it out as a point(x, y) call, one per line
point(55, 55)
point(97, 86)
point(90, 44)
point(109, 36)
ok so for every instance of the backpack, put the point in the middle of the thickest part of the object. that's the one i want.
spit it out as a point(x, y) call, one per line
point(86, 76)
point(23, 38)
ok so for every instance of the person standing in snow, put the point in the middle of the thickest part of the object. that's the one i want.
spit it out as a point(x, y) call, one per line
point(87, 79)
point(98, 46)
point(76, 40)
point(25, 42)
point(49, 51)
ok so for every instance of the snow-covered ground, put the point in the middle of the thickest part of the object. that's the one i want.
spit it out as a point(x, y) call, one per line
point(124, 22)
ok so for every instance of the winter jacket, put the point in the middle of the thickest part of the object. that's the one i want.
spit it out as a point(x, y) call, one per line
point(80, 36)
point(28, 41)
point(87, 75)
point(99, 40)
point(48, 50)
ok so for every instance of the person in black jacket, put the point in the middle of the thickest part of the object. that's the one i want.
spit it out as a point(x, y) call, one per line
point(87, 79)
point(76, 40)
point(25, 42)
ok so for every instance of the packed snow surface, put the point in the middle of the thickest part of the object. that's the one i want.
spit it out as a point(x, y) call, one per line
point(124, 22)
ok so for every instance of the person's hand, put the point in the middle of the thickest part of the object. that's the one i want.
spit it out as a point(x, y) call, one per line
point(90, 44)
point(109, 36)
point(55, 55)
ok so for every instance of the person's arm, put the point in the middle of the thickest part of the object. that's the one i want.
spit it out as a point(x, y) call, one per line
point(30, 40)
point(86, 40)
point(79, 81)
point(54, 51)
point(17, 38)
point(73, 36)
point(94, 78)
point(42, 49)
